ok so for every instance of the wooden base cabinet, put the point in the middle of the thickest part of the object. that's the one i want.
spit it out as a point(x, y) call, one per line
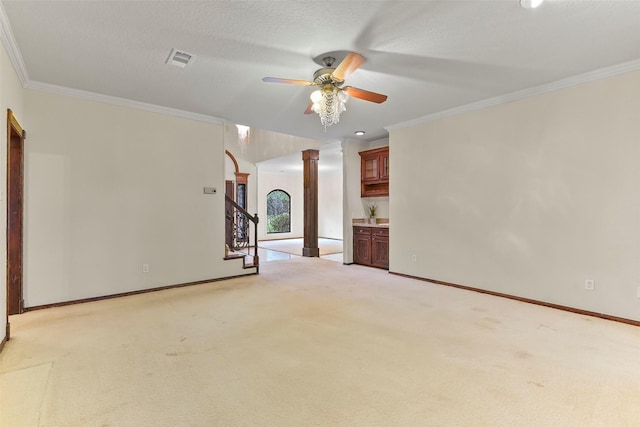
point(371, 246)
point(362, 245)
point(380, 248)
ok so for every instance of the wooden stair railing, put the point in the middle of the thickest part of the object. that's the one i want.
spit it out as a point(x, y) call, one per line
point(240, 219)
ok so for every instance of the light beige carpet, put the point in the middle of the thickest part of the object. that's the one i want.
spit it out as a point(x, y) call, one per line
point(311, 342)
point(294, 246)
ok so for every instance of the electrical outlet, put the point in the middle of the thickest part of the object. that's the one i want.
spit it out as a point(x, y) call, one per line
point(638, 292)
point(145, 268)
point(413, 258)
point(589, 284)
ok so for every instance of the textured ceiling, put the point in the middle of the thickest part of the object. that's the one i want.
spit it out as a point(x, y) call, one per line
point(427, 56)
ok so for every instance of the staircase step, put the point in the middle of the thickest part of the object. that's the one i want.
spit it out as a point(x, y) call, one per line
point(245, 264)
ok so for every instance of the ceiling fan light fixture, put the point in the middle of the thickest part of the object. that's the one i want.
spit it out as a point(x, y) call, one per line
point(316, 96)
point(329, 102)
point(530, 4)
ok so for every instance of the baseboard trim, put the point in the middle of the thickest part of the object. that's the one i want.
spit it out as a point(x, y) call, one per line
point(126, 294)
point(294, 238)
point(282, 238)
point(527, 300)
point(6, 337)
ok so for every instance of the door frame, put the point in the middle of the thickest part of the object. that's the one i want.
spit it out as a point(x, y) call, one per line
point(15, 217)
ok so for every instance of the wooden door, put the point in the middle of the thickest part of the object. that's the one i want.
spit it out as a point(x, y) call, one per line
point(380, 247)
point(362, 245)
point(369, 168)
point(380, 251)
point(15, 207)
point(384, 166)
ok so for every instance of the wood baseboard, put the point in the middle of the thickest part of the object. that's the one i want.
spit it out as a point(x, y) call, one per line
point(126, 294)
point(527, 300)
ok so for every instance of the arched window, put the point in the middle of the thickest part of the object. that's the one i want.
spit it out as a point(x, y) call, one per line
point(278, 212)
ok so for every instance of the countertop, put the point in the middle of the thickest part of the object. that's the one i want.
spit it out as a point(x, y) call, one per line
point(371, 225)
point(365, 223)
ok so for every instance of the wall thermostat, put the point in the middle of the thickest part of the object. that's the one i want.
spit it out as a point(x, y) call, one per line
point(209, 190)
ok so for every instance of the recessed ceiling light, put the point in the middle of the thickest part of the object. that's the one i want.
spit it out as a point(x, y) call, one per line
point(530, 4)
point(359, 132)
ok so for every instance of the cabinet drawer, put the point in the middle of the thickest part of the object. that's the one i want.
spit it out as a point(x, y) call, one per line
point(362, 231)
point(380, 232)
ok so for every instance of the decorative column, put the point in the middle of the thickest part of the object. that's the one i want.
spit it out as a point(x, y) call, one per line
point(310, 170)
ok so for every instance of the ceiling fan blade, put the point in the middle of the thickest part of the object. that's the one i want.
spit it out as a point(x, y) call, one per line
point(349, 64)
point(365, 94)
point(287, 81)
point(309, 109)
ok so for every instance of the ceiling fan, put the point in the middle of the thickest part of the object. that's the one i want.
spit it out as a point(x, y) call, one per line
point(329, 101)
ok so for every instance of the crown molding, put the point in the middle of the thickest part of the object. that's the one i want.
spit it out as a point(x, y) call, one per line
point(122, 102)
point(603, 73)
point(9, 42)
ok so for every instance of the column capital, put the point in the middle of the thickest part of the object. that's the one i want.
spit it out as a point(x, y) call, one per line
point(311, 155)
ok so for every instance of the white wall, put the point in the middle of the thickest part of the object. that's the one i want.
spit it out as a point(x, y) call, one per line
point(109, 189)
point(292, 184)
point(266, 145)
point(330, 203)
point(11, 97)
point(528, 198)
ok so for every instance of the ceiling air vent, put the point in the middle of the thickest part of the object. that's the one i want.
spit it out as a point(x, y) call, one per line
point(179, 58)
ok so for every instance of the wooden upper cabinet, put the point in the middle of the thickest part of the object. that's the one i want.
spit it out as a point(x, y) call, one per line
point(370, 169)
point(374, 172)
point(384, 165)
